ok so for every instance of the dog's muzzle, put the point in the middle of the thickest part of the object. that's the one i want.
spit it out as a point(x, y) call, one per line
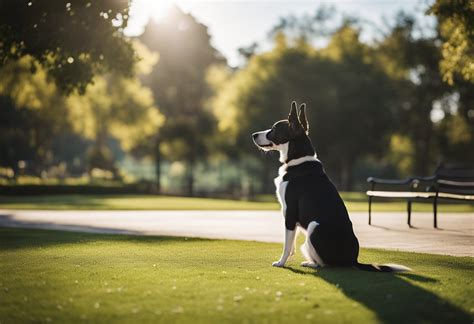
point(260, 139)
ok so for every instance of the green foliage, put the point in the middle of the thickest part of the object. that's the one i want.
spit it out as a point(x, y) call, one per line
point(308, 26)
point(72, 40)
point(115, 106)
point(100, 158)
point(32, 112)
point(456, 20)
point(413, 62)
point(36, 112)
point(340, 83)
point(456, 139)
point(401, 154)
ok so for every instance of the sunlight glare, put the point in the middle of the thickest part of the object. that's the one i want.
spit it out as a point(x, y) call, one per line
point(159, 9)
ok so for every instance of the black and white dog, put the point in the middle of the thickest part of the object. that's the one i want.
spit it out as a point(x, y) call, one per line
point(310, 201)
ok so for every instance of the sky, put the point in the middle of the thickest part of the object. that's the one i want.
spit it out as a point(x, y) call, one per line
point(238, 23)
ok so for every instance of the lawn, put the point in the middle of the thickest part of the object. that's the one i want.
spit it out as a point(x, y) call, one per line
point(355, 202)
point(68, 277)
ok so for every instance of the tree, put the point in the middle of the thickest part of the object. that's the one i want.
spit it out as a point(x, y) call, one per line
point(307, 27)
point(34, 112)
point(456, 24)
point(179, 87)
point(117, 107)
point(72, 40)
point(413, 61)
point(455, 132)
point(31, 113)
point(341, 86)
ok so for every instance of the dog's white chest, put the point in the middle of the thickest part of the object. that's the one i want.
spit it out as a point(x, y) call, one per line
point(280, 192)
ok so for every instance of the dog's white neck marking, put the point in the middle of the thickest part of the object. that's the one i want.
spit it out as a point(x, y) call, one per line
point(283, 149)
point(302, 160)
point(298, 161)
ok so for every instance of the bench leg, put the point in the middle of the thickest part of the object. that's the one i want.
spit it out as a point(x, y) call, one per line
point(370, 210)
point(435, 211)
point(409, 212)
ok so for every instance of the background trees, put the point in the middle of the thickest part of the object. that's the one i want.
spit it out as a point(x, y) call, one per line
point(381, 104)
point(413, 61)
point(180, 89)
point(339, 81)
point(31, 114)
point(86, 97)
point(36, 113)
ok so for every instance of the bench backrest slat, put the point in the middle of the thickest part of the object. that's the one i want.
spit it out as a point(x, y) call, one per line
point(461, 174)
point(455, 180)
point(456, 183)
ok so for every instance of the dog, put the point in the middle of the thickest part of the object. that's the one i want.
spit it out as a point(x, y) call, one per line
point(310, 201)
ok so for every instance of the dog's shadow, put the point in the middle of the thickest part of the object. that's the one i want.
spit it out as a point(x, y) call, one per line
point(394, 298)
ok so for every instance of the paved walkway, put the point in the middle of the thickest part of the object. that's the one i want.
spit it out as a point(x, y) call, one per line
point(389, 230)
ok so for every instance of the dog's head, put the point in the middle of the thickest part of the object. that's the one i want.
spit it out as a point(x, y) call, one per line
point(288, 136)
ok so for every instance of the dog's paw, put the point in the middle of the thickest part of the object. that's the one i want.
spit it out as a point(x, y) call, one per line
point(311, 265)
point(278, 264)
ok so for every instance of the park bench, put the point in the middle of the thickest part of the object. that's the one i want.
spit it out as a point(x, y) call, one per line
point(446, 183)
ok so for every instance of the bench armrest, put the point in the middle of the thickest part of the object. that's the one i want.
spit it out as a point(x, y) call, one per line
point(429, 183)
point(424, 179)
point(389, 181)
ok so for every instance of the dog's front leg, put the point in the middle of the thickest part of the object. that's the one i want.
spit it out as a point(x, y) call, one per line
point(287, 248)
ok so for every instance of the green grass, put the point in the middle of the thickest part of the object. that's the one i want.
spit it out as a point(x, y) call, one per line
point(355, 201)
point(68, 277)
point(129, 202)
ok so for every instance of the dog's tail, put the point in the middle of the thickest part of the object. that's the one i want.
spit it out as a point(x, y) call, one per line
point(389, 267)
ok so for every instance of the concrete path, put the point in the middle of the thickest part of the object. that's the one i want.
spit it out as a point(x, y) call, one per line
point(389, 230)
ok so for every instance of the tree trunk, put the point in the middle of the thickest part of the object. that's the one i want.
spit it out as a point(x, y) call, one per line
point(158, 167)
point(190, 178)
point(423, 148)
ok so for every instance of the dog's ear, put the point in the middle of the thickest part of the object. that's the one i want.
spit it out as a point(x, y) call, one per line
point(302, 118)
point(295, 125)
point(293, 116)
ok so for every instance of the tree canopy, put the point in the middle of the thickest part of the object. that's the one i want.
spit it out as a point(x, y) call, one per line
point(35, 111)
point(366, 102)
point(72, 40)
point(456, 24)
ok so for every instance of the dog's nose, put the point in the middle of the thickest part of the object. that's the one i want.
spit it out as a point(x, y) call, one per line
point(254, 135)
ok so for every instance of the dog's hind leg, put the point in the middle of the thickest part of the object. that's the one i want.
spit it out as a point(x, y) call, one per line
point(312, 258)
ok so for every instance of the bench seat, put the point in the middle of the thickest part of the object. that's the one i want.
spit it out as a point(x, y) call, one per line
point(401, 194)
point(415, 194)
point(455, 196)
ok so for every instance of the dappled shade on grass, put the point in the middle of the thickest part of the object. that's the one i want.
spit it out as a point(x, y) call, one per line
point(68, 276)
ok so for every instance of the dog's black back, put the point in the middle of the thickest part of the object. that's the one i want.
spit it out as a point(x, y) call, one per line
point(311, 196)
